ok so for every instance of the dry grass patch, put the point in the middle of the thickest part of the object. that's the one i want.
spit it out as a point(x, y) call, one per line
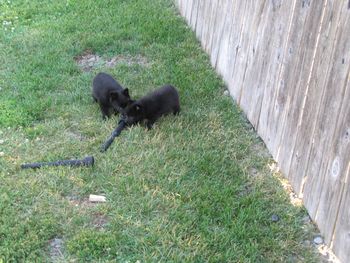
point(88, 61)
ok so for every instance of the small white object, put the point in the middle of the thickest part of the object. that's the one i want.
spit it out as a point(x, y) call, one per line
point(226, 93)
point(97, 198)
point(318, 240)
point(2, 153)
point(1, 141)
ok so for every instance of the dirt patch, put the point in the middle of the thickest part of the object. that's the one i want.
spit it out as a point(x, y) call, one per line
point(99, 221)
point(246, 190)
point(261, 150)
point(75, 135)
point(253, 172)
point(56, 249)
point(128, 60)
point(80, 203)
point(88, 61)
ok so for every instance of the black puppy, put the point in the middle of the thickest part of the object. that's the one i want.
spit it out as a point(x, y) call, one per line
point(109, 94)
point(152, 106)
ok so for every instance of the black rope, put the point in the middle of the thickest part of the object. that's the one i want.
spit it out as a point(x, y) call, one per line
point(115, 133)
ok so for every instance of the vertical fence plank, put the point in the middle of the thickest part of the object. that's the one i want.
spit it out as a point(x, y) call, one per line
point(300, 79)
point(257, 51)
point(233, 30)
point(268, 112)
point(205, 22)
point(294, 82)
point(212, 13)
point(200, 19)
point(241, 50)
point(313, 97)
point(225, 53)
point(188, 9)
point(341, 242)
point(262, 71)
point(194, 14)
point(325, 125)
point(335, 173)
point(235, 39)
point(218, 30)
point(338, 154)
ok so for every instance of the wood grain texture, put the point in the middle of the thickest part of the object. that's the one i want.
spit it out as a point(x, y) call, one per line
point(326, 121)
point(261, 74)
point(341, 240)
point(258, 49)
point(200, 20)
point(194, 13)
point(207, 14)
point(235, 40)
point(188, 11)
point(212, 13)
point(225, 53)
point(336, 157)
point(312, 99)
point(242, 46)
point(296, 78)
point(269, 116)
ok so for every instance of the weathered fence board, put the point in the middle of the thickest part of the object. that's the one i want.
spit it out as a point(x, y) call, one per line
point(296, 79)
point(233, 30)
point(200, 19)
point(269, 112)
point(225, 52)
point(259, 94)
point(287, 64)
point(217, 31)
point(326, 121)
point(242, 47)
point(255, 46)
point(207, 23)
point(236, 34)
point(336, 158)
point(341, 241)
point(312, 100)
point(335, 175)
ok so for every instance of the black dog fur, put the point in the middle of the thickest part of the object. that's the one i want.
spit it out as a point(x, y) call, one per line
point(109, 94)
point(152, 106)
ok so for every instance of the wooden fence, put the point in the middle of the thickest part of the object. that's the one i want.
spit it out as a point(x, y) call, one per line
point(287, 64)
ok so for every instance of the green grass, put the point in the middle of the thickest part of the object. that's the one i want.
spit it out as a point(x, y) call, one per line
point(182, 192)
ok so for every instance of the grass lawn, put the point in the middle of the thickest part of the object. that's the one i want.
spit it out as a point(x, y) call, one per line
point(195, 188)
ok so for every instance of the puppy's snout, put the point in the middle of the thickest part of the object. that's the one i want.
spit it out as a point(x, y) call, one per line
point(122, 111)
point(129, 120)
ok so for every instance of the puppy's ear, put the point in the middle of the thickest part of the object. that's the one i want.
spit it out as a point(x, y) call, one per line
point(126, 93)
point(113, 95)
